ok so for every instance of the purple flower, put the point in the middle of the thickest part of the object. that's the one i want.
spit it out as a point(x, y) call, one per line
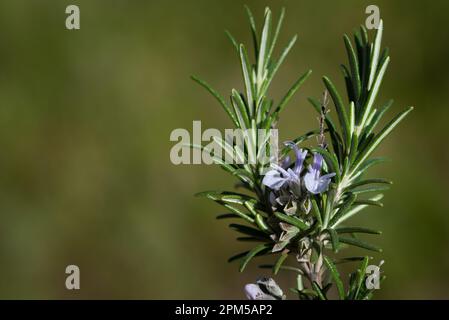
point(279, 176)
point(313, 180)
point(300, 157)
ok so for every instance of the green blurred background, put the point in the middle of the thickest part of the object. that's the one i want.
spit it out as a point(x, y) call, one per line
point(85, 119)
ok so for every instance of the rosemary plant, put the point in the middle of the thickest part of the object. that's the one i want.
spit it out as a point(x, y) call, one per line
point(301, 208)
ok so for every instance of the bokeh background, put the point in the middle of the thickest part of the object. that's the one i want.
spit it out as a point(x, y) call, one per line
point(85, 119)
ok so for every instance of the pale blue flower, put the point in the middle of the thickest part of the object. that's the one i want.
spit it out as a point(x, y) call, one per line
point(300, 157)
point(316, 183)
point(279, 176)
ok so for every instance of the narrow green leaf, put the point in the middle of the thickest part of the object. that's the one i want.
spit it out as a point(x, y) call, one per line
point(249, 231)
point(279, 263)
point(373, 93)
point(341, 110)
point(343, 210)
point(368, 181)
point(240, 213)
point(233, 41)
point(249, 239)
point(292, 91)
point(229, 196)
point(359, 243)
point(351, 119)
point(316, 211)
point(336, 276)
point(292, 220)
point(361, 276)
point(375, 55)
point(384, 55)
point(252, 23)
point(353, 63)
point(227, 216)
point(371, 162)
point(328, 206)
point(276, 35)
point(348, 83)
point(261, 63)
point(357, 230)
point(355, 210)
point(218, 97)
point(238, 256)
point(261, 224)
point(377, 117)
point(371, 189)
point(246, 70)
point(348, 259)
point(242, 109)
point(334, 239)
point(368, 202)
point(318, 291)
point(277, 64)
point(299, 283)
point(363, 52)
point(381, 136)
point(252, 253)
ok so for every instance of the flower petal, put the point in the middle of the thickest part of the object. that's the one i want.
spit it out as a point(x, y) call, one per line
point(274, 180)
point(300, 156)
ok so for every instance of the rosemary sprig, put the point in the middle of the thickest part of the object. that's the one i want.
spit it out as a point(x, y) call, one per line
point(304, 222)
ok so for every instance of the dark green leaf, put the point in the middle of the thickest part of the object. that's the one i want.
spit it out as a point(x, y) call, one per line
point(336, 276)
point(292, 220)
point(357, 230)
point(238, 256)
point(227, 216)
point(343, 209)
point(334, 239)
point(318, 291)
point(359, 243)
point(369, 203)
point(368, 181)
point(252, 253)
point(356, 82)
point(279, 263)
point(249, 231)
point(341, 110)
